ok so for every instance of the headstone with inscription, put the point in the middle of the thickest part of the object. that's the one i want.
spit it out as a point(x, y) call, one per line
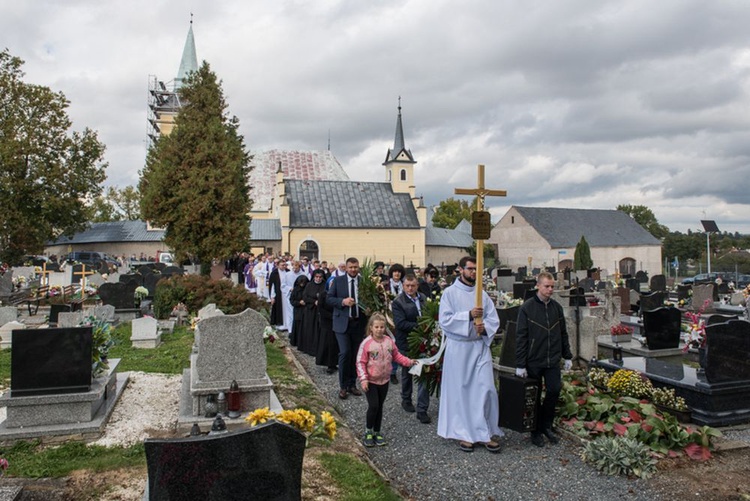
point(652, 301)
point(728, 352)
point(703, 297)
point(120, 295)
point(658, 283)
point(662, 328)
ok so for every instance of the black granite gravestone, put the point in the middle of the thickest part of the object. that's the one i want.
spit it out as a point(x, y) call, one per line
point(550, 269)
point(508, 349)
point(662, 328)
point(728, 352)
point(504, 272)
point(658, 283)
point(715, 318)
point(652, 301)
point(120, 295)
point(683, 291)
point(641, 276)
point(134, 278)
point(264, 462)
point(160, 267)
point(150, 280)
point(587, 284)
point(170, 271)
point(50, 361)
point(507, 315)
point(633, 284)
point(520, 288)
point(577, 297)
point(723, 288)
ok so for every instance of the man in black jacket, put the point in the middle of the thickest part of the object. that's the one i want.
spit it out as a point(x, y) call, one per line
point(407, 307)
point(541, 342)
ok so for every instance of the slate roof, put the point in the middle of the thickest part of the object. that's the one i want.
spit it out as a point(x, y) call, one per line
point(460, 236)
point(300, 165)
point(348, 204)
point(114, 231)
point(602, 228)
point(265, 229)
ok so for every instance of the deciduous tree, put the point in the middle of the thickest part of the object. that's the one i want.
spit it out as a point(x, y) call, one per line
point(47, 171)
point(450, 212)
point(646, 218)
point(117, 205)
point(194, 183)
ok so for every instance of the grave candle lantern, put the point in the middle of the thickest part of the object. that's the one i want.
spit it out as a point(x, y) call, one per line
point(221, 402)
point(617, 353)
point(233, 400)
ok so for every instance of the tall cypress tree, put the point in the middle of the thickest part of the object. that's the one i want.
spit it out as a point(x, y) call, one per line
point(194, 183)
point(582, 258)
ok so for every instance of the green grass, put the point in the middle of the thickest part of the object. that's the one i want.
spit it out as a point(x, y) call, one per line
point(171, 357)
point(30, 460)
point(282, 375)
point(356, 480)
point(4, 368)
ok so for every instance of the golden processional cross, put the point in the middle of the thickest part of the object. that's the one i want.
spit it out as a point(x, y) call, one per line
point(481, 226)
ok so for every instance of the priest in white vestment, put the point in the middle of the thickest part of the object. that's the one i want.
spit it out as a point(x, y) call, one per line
point(287, 284)
point(261, 275)
point(469, 408)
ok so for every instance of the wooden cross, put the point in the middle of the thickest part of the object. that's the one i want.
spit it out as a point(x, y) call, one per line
point(45, 274)
point(480, 192)
point(83, 274)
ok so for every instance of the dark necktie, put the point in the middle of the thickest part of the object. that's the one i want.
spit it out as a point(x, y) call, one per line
point(353, 309)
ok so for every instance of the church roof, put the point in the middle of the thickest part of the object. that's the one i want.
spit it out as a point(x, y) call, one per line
point(399, 145)
point(299, 165)
point(602, 228)
point(460, 236)
point(348, 204)
point(265, 229)
point(189, 61)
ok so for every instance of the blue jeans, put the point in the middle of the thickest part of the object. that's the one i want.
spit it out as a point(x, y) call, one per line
point(407, 383)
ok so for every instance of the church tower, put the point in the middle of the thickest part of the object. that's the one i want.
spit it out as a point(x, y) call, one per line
point(163, 98)
point(399, 162)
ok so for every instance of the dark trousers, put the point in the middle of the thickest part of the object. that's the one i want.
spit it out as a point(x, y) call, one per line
point(553, 385)
point(407, 384)
point(348, 345)
point(375, 394)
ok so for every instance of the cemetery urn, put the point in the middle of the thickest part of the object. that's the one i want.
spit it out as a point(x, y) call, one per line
point(211, 406)
point(221, 403)
point(233, 400)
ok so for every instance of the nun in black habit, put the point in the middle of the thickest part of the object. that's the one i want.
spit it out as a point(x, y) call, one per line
point(308, 341)
point(298, 304)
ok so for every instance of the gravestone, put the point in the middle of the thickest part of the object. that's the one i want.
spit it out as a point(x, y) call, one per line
point(590, 326)
point(208, 311)
point(507, 315)
point(662, 328)
point(505, 283)
point(56, 308)
point(601, 285)
point(723, 288)
point(703, 297)
point(719, 319)
point(508, 349)
point(95, 280)
point(160, 267)
point(69, 319)
point(652, 301)
point(658, 283)
point(737, 299)
point(6, 284)
point(120, 295)
point(149, 282)
point(8, 314)
point(145, 333)
point(577, 297)
point(504, 272)
point(587, 284)
point(104, 312)
point(641, 276)
point(229, 347)
point(728, 352)
point(171, 271)
point(6, 333)
point(624, 294)
point(129, 278)
point(166, 326)
point(264, 462)
point(594, 274)
point(683, 291)
point(633, 284)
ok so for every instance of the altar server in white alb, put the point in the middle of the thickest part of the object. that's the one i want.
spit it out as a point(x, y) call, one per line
point(469, 408)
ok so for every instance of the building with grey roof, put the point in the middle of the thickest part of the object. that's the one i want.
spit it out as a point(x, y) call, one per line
point(541, 236)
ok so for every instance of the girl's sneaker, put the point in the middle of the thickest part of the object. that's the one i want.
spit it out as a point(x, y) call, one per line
point(369, 440)
point(379, 440)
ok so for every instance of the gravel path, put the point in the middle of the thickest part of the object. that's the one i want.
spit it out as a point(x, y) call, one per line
point(423, 466)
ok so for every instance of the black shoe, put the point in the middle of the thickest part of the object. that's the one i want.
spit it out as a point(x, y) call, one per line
point(354, 391)
point(423, 418)
point(343, 394)
point(331, 370)
point(394, 379)
point(553, 439)
point(408, 406)
point(537, 439)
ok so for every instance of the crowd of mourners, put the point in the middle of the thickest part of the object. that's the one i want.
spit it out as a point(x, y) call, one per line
point(317, 304)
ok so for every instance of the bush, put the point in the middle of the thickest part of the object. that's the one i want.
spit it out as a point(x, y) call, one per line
point(196, 291)
point(620, 456)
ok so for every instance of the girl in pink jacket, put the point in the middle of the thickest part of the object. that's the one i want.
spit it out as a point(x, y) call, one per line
point(374, 359)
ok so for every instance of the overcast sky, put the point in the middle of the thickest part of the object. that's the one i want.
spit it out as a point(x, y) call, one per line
point(579, 104)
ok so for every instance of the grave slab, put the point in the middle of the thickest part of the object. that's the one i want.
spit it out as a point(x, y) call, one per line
point(145, 333)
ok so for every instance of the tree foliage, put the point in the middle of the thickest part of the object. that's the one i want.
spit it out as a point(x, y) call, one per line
point(194, 183)
point(582, 257)
point(117, 205)
point(646, 218)
point(450, 212)
point(46, 171)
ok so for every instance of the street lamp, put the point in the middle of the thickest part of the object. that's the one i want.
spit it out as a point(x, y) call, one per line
point(709, 227)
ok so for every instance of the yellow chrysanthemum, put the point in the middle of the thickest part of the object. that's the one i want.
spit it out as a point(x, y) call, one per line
point(306, 420)
point(329, 424)
point(288, 417)
point(261, 415)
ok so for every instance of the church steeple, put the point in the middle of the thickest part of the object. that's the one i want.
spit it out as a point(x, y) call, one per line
point(399, 162)
point(189, 61)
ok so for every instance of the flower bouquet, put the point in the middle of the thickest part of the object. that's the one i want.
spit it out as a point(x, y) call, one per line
point(425, 341)
point(371, 294)
point(301, 419)
point(269, 334)
point(621, 333)
point(140, 293)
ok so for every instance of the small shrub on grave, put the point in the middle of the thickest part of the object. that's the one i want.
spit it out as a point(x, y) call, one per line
point(620, 456)
point(196, 291)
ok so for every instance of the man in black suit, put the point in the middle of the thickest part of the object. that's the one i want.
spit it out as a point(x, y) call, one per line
point(348, 323)
point(407, 308)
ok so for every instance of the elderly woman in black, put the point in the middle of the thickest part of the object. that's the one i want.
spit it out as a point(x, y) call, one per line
point(311, 296)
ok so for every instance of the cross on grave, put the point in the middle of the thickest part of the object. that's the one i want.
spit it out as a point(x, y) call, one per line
point(44, 274)
point(480, 226)
point(83, 274)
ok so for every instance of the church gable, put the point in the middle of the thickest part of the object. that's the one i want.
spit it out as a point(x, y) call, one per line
point(348, 204)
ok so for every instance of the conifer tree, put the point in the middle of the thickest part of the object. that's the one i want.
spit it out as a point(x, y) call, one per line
point(582, 258)
point(195, 182)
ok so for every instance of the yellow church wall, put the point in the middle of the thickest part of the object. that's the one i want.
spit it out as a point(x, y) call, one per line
point(405, 246)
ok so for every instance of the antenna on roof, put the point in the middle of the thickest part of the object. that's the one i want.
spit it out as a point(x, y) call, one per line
point(329, 139)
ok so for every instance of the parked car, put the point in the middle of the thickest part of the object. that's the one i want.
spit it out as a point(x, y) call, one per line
point(97, 260)
point(726, 277)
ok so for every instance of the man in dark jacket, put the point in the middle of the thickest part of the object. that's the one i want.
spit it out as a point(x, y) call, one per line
point(541, 342)
point(407, 307)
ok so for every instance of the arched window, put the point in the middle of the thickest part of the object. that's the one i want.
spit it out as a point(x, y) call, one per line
point(403, 174)
point(308, 249)
point(627, 266)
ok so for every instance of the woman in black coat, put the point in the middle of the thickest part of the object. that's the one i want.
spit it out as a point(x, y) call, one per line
point(274, 290)
point(308, 341)
point(299, 307)
point(327, 353)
